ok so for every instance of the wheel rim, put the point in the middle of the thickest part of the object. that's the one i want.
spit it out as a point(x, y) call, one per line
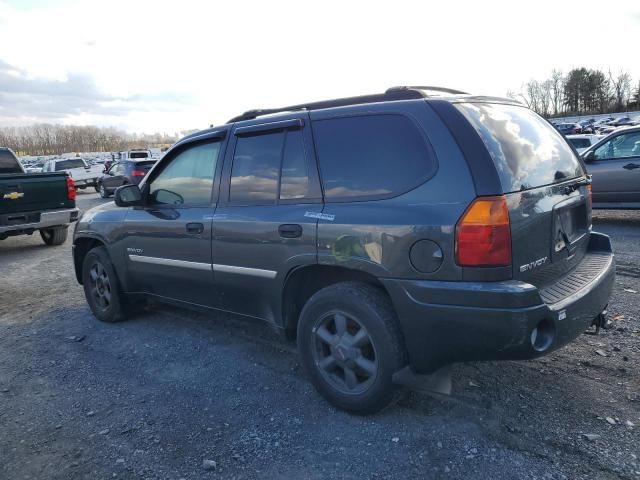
point(46, 234)
point(100, 286)
point(344, 353)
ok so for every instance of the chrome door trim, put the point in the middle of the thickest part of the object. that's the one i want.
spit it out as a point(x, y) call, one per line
point(255, 272)
point(168, 262)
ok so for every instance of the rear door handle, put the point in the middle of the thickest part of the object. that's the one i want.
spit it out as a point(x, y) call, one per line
point(289, 230)
point(631, 166)
point(195, 228)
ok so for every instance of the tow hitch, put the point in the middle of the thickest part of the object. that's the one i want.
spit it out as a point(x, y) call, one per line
point(602, 321)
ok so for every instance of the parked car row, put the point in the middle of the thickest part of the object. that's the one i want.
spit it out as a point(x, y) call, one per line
point(592, 126)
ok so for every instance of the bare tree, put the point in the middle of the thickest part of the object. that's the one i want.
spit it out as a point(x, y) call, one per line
point(621, 86)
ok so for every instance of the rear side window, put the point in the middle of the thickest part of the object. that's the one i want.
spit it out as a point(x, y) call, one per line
point(270, 167)
point(8, 163)
point(526, 150)
point(371, 156)
point(139, 155)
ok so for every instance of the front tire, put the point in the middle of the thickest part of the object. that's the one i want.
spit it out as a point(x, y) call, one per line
point(103, 191)
point(350, 346)
point(101, 286)
point(54, 236)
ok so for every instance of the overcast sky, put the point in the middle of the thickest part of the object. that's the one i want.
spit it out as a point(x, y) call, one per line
point(150, 66)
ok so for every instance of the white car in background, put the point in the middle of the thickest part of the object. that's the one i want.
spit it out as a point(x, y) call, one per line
point(582, 142)
point(82, 173)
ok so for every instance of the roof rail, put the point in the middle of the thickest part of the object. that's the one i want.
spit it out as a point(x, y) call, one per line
point(392, 94)
point(428, 89)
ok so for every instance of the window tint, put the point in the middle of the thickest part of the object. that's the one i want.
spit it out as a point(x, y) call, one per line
point(188, 178)
point(256, 167)
point(69, 164)
point(295, 176)
point(622, 146)
point(580, 142)
point(526, 150)
point(374, 155)
point(8, 163)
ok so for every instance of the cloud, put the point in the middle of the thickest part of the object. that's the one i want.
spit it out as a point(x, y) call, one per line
point(25, 99)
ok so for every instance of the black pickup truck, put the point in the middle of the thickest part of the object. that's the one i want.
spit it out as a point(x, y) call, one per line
point(35, 201)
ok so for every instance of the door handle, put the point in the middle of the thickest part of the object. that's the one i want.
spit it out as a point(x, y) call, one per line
point(289, 230)
point(195, 228)
point(631, 166)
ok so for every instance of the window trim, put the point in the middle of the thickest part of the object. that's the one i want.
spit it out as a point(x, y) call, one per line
point(369, 198)
point(178, 149)
point(296, 123)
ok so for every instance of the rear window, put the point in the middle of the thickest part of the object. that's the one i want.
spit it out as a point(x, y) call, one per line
point(371, 156)
point(526, 150)
point(69, 164)
point(580, 142)
point(144, 165)
point(8, 163)
point(139, 155)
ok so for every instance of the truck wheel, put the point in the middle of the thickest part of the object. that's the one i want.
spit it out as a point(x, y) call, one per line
point(54, 236)
point(101, 287)
point(350, 346)
point(103, 191)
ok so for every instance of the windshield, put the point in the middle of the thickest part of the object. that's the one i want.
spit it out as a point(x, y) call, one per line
point(526, 150)
point(580, 142)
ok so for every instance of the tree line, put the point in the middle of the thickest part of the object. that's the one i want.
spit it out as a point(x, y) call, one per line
point(47, 139)
point(581, 91)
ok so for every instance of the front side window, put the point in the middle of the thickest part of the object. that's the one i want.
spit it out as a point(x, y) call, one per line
point(187, 178)
point(371, 156)
point(623, 146)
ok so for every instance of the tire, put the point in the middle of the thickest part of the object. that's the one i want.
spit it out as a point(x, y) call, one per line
point(97, 187)
point(101, 287)
point(54, 236)
point(371, 346)
point(103, 191)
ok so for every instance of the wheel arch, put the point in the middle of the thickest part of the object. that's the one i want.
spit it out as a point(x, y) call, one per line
point(302, 282)
point(82, 246)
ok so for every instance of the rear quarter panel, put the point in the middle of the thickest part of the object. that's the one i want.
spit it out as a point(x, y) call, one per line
point(376, 236)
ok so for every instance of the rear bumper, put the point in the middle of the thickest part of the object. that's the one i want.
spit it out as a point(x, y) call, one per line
point(448, 322)
point(30, 221)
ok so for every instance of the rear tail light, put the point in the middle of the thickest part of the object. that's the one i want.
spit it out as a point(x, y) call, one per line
point(71, 189)
point(138, 173)
point(483, 234)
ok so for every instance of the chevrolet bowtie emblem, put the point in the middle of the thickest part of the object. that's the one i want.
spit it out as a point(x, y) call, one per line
point(13, 195)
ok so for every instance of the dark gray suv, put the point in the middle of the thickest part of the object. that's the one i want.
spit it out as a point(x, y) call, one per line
point(402, 231)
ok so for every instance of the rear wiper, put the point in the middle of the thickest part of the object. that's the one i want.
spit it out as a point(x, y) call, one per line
point(580, 183)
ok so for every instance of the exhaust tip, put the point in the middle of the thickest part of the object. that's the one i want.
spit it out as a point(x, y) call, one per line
point(542, 335)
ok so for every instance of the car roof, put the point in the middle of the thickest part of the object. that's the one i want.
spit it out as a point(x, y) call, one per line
point(394, 94)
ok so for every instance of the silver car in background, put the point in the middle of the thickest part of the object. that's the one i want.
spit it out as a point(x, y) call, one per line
point(614, 163)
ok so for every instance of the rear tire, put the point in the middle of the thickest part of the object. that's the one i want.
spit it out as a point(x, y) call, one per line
point(54, 236)
point(350, 346)
point(101, 287)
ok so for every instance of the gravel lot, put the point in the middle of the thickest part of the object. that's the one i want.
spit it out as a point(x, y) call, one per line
point(157, 396)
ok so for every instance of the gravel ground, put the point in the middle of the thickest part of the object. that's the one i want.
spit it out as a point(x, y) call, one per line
point(173, 394)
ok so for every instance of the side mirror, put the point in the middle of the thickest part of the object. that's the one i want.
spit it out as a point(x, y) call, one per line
point(128, 196)
point(589, 157)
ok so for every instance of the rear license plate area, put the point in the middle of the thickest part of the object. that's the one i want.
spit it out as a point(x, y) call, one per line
point(570, 225)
